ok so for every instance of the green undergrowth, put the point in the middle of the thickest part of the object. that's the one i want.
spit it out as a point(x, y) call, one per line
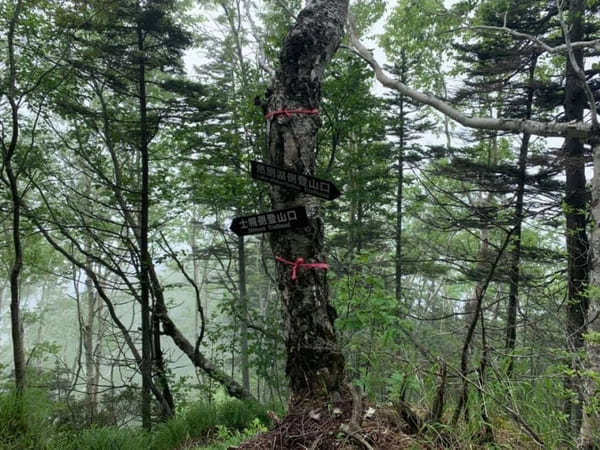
point(200, 424)
point(24, 420)
point(32, 422)
point(226, 437)
point(28, 424)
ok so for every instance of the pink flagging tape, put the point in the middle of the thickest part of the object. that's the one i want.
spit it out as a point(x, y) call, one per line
point(300, 263)
point(288, 112)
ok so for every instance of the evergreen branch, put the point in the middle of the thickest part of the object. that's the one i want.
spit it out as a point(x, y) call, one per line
point(558, 129)
point(576, 67)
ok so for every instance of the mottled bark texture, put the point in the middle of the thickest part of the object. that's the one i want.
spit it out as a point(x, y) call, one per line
point(590, 428)
point(315, 364)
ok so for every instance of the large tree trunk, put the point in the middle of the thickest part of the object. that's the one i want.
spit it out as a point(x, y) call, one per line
point(315, 364)
point(8, 154)
point(575, 212)
point(145, 262)
point(590, 428)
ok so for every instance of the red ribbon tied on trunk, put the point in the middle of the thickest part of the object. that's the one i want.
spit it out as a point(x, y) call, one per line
point(300, 263)
point(288, 112)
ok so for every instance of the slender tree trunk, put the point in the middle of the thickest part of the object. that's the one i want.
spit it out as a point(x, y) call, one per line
point(515, 257)
point(483, 259)
point(315, 364)
point(473, 306)
point(233, 14)
point(575, 212)
point(97, 354)
point(8, 152)
point(243, 312)
point(16, 320)
point(167, 403)
point(144, 253)
point(488, 432)
point(400, 188)
point(88, 345)
point(196, 272)
point(464, 363)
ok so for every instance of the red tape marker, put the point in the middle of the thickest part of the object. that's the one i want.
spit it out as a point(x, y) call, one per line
point(300, 263)
point(288, 112)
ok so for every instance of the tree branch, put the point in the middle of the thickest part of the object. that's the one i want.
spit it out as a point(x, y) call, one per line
point(559, 49)
point(579, 130)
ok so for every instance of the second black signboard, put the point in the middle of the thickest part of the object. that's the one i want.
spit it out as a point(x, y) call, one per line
point(282, 219)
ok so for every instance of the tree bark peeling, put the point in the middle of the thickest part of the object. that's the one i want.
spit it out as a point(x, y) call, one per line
point(315, 365)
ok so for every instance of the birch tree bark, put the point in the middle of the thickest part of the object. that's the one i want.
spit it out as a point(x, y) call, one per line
point(315, 365)
point(590, 427)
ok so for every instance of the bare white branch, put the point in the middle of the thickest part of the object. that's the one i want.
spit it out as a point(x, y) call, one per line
point(559, 129)
point(559, 49)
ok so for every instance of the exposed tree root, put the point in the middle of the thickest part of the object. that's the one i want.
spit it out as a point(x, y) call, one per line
point(336, 424)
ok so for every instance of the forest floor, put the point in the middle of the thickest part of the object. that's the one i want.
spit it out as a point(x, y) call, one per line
point(318, 429)
point(345, 423)
point(352, 423)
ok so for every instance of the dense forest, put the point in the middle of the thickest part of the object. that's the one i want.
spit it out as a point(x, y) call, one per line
point(286, 224)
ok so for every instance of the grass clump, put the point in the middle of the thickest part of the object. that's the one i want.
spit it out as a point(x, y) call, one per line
point(25, 421)
point(204, 423)
point(107, 438)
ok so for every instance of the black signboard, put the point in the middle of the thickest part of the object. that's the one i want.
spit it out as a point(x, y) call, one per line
point(282, 219)
point(294, 180)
